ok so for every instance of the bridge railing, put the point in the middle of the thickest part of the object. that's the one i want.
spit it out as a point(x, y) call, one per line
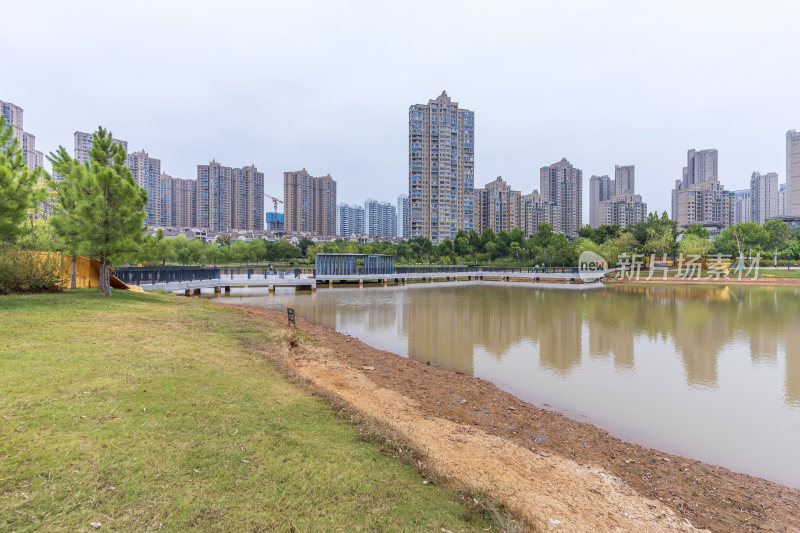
point(434, 269)
point(164, 274)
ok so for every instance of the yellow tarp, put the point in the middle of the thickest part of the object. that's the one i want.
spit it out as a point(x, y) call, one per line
point(87, 273)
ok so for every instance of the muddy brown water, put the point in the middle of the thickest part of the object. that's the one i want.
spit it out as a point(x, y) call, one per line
point(711, 373)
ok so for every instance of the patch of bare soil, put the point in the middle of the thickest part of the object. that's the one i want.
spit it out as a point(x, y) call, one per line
point(556, 472)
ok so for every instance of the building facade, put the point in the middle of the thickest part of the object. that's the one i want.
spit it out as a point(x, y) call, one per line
point(782, 199)
point(83, 143)
point(380, 218)
point(14, 117)
point(146, 171)
point(498, 207)
point(214, 196)
point(792, 172)
point(351, 220)
point(309, 203)
point(699, 197)
point(441, 162)
point(601, 188)
point(536, 209)
point(272, 224)
point(402, 216)
point(561, 185)
point(763, 196)
point(247, 195)
point(614, 201)
point(741, 206)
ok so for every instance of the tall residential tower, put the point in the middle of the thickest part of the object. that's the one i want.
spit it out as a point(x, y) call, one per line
point(441, 162)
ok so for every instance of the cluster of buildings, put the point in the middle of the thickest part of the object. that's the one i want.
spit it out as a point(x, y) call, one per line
point(374, 218)
point(442, 198)
point(700, 198)
point(221, 198)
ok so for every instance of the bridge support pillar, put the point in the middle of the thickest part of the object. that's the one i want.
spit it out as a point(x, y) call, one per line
point(314, 287)
point(385, 282)
point(360, 283)
point(430, 280)
point(271, 289)
point(330, 283)
point(405, 281)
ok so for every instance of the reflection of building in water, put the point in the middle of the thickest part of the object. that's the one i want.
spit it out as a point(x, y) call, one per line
point(444, 324)
point(790, 309)
point(439, 329)
point(792, 376)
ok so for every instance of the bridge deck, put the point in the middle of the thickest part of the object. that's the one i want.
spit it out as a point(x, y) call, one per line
point(308, 281)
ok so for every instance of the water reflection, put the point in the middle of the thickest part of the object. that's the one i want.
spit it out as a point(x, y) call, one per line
point(682, 368)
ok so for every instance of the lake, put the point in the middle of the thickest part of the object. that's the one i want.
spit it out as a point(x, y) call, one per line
point(708, 372)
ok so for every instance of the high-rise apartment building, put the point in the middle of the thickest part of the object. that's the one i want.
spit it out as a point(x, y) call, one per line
point(176, 202)
point(536, 209)
point(14, 118)
point(624, 179)
point(229, 198)
point(601, 188)
point(381, 218)
point(614, 201)
point(441, 162)
point(247, 198)
point(741, 206)
point(351, 220)
point(214, 190)
point(309, 203)
point(763, 196)
point(623, 210)
point(402, 216)
point(699, 196)
point(792, 172)
point(146, 171)
point(782, 199)
point(561, 185)
point(83, 143)
point(498, 207)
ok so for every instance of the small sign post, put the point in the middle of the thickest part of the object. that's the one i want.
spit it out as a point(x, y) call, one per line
point(290, 314)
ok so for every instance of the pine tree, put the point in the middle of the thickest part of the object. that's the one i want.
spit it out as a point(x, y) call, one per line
point(99, 208)
point(18, 186)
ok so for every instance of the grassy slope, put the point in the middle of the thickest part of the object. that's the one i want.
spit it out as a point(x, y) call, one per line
point(146, 411)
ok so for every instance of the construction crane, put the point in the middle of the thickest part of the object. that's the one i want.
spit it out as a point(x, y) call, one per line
point(275, 203)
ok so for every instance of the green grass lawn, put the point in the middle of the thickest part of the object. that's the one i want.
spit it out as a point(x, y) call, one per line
point(148, 412)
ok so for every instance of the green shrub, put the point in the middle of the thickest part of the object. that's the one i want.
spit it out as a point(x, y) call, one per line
point(24, 271)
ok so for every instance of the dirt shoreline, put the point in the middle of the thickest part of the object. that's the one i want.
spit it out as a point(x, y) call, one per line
point(557, 472)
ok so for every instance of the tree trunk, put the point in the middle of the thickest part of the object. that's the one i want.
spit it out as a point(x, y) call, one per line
point(108, 280)
point(100, 277)
point(72, 282)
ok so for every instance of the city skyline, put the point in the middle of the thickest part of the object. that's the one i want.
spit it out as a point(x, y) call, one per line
point(617, 108)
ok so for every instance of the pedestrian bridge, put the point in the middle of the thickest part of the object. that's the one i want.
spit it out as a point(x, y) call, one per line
point(191, 280)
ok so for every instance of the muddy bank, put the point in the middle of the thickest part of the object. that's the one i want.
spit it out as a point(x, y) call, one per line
point(546, 466)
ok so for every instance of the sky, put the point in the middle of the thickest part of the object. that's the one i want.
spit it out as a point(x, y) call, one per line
point(326, 86)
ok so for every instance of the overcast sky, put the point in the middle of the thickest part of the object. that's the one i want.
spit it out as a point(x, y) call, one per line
point(327, 85)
